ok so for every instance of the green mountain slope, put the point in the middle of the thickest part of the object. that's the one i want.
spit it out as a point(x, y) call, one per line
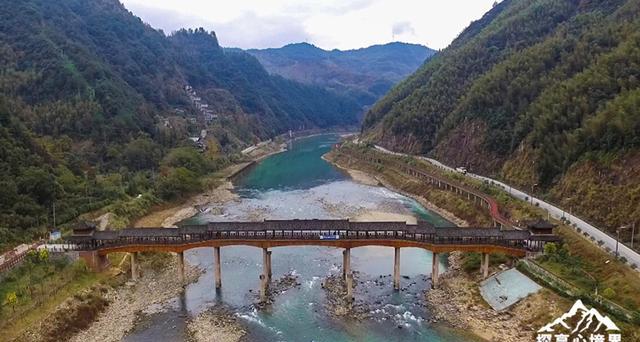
point(93, 102)
point(363, 74)
point(539, 92)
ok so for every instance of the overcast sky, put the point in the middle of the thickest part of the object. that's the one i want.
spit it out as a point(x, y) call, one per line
point(329, 24)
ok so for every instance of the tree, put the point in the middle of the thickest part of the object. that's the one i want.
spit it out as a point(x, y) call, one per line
point(178, 182)
point(141, 153)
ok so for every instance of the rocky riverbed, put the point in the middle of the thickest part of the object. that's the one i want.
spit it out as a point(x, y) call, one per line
point(457, 302)
point(134, 301)
point(275, 288)
point(215, 325)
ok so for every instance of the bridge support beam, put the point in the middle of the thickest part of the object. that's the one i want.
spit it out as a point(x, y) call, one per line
point(396, 269)
point(181, 267)
point(434, 271)
point(216, 267)
point(484, 265)
point(134, 266)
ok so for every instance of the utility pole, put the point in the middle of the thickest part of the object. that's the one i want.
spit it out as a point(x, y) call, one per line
point(633, 233)
point(54, 215)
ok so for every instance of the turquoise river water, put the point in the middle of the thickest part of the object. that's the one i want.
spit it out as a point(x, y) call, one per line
point(299, 184)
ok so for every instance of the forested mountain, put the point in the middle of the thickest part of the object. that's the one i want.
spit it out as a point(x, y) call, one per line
point(93, 105)
point(363, 74)
point(545, 93)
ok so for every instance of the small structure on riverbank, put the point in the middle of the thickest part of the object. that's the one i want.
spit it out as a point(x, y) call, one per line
point(504, 289)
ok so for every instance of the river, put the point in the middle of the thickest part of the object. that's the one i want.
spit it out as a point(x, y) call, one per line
point(299, 184)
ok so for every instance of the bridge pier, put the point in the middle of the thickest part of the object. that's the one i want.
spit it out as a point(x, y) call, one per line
point(266, 263)
point(346, 270)
point(346, 262)
point(134, 266)
point(263, 288)
point(396, 269)
point(269, 273)
point(95, 261)
point(216, 267)
point(484, 265)
point(181, 267)
point(434, 271)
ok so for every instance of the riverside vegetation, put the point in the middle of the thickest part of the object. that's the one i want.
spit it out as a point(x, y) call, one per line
point(542, 94)
point(578, 260)
point(94, 112)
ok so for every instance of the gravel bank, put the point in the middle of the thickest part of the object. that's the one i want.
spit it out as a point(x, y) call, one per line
point(457, 302)
point(215, 325)
point(150, 294)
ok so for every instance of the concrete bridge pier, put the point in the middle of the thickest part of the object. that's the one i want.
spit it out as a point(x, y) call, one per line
point(216, 267)
point(434, 271)
point(263, 288)
point(346, 262)
point(346, 270)
point(349, 284)
point(396, 269)
point(269, 272)
point(134, 266)
point(181, 267)
point(266, 263)
point(484, 265)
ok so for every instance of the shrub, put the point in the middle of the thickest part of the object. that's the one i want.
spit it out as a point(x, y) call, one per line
point(608, 293)
point(550, 248)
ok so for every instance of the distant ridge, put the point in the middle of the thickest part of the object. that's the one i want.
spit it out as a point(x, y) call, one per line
point(364, 74)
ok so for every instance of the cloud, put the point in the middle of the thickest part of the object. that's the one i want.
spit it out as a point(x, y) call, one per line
point(253, 31)
point(342, 24)
point(164, 19)
point(327, 7)
point(246, 31)
point(402, 28)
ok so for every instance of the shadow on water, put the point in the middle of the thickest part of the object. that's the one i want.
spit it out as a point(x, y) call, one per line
point(299, 184)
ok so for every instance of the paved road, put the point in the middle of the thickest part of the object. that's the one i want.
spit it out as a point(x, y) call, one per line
point(632, 256)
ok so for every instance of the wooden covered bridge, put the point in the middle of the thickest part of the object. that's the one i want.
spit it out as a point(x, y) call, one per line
point(94, 245)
